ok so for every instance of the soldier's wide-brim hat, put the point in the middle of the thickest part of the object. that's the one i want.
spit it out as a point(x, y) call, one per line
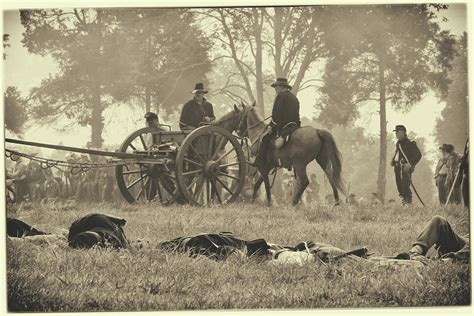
point(199, 87)
point(447, 148)
point(281, 82)
point(400, 128)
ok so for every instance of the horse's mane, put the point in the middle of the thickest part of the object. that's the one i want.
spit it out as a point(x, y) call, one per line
point(226, 116)
point(256, 113)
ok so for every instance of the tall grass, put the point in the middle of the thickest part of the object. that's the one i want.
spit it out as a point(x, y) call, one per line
point(56, 278)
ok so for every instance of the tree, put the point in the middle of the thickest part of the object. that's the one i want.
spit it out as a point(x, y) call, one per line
point(112, 55)
point(453, 125)
point(6, 39)
point(15, 111)
point(289, 37)
point(78, 40)
point(169, 53)
point(378, 56)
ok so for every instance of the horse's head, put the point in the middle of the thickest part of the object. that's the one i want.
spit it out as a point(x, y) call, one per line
point(245, 119)
point(230, 121)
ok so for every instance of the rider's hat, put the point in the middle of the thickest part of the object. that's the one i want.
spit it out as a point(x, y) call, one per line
point(199, 87)
point(281, 82)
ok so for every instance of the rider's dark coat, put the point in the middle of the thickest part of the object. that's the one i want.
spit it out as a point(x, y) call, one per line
point(286, 109)
point(193, 113)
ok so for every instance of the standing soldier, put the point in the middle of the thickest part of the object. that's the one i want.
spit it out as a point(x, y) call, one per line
point(406, 156)
point(286, 109)
point(197, 110)
point(440, 176)
point(465, 175)
point(19, 176)
point(453, 159)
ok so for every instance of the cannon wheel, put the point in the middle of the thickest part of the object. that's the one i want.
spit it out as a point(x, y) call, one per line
point(143, 181)
point(210, 166)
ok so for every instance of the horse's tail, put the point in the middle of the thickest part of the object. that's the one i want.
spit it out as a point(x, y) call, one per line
point(334, 167)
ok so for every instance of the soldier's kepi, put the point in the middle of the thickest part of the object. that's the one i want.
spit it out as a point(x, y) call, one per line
point(407, 155)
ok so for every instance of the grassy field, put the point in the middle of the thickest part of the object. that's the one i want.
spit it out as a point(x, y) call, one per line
point(55, 278)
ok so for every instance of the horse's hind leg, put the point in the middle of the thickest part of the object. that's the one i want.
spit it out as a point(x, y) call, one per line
point(301, 182)
point(336, 195)
point(323, 161)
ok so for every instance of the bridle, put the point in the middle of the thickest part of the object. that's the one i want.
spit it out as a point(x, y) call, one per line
point(243, 118)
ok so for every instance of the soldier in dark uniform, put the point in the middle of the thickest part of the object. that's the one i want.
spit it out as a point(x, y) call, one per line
point(286, 109)
point(453, 180)
point(197, 110)
point(407, 155)
point(441, 173)
point(98, 230)
point(465, 175)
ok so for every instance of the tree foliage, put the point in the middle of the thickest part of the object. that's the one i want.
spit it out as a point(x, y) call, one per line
point(414, 51)
point(453, 125)
point(15, 110)
point(382, 55)
point(107, 56)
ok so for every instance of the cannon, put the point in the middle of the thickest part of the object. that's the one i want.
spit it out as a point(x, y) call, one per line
point(202, 167)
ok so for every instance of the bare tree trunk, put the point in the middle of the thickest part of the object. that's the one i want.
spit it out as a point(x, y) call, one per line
point(236, 59)
point(147, 99)
point(277, 34)
point(96, 122)
point(258, 24)
point(381, 179)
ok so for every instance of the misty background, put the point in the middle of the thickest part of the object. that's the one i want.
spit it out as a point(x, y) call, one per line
point(85, 77)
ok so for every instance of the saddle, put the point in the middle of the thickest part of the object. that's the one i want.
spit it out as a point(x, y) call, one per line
point(285, 134)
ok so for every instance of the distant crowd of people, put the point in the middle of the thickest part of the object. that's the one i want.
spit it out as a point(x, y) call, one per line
point(28, 181)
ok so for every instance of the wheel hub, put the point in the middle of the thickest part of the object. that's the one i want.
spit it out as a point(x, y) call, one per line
point(211, 168)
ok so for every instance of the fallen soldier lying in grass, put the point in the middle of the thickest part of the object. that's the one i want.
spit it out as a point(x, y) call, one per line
point(438, 233)
point(107, 231)
point(93, 230)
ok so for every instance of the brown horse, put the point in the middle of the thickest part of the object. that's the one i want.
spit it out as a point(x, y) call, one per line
point(305, 145)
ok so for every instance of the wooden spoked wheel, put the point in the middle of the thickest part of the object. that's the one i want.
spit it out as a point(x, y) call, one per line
point(145, 182)
point(210, 167)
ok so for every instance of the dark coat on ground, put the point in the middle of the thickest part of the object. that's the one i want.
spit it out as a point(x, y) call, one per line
point(193, 113)
point(17, 228)
point(108, 227)
point(286, 109)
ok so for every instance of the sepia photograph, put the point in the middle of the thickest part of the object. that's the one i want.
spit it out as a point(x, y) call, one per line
point(286, 156)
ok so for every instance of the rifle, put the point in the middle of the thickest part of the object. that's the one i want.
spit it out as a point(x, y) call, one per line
point(464, 157)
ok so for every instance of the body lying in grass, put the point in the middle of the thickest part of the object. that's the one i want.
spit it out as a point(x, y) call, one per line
point(99, 230)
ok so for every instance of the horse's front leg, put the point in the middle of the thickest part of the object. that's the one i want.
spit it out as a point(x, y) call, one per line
point(256, 186)
point(268, 189)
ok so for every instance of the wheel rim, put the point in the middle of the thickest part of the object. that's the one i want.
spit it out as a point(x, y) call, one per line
point(210, 167)
point(143, 182)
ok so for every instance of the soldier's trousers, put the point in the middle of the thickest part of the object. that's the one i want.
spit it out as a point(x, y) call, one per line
point(456, 195)
point(403, 180)
point(438, 233)
point(465, 189)
point(442, 195)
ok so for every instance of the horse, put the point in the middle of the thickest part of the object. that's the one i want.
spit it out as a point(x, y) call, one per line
point(305, 145)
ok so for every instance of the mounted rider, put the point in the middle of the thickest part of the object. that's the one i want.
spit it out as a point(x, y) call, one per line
point(285, 115)
point(197, 110)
